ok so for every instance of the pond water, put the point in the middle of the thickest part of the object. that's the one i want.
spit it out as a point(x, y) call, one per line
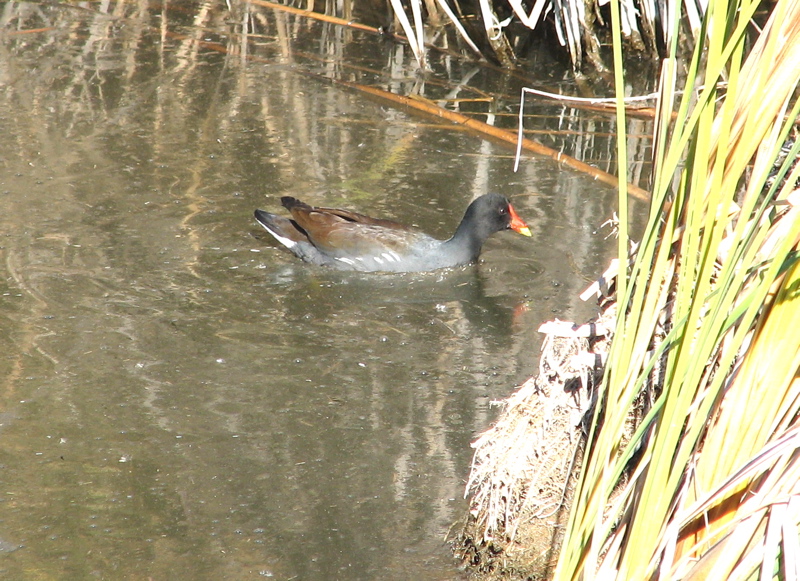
point(182, 399)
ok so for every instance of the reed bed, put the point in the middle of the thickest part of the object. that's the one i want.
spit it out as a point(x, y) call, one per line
point(502, 31)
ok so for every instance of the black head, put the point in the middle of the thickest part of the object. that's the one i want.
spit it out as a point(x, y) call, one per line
point(486, 215)
point(492, 213)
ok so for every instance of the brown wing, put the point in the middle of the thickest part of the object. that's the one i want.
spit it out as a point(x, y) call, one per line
point(295, 205)
point(362, 219)
point(343, 233)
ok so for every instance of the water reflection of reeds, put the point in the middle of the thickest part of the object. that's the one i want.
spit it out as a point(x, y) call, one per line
point(116, 45)
point(137, 139)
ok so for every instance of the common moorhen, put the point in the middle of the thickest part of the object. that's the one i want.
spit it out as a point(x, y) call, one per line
point(350, 241)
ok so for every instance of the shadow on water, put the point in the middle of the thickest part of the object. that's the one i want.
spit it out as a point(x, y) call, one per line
point(181, 399)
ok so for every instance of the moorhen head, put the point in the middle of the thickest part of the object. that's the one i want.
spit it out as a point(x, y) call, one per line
point(350, 241)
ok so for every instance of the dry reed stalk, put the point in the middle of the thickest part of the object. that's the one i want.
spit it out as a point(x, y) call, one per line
point(490, 131)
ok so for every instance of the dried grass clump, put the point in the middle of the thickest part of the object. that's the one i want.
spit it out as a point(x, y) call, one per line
point(522, 466)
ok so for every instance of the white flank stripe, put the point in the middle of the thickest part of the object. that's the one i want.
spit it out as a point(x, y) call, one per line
point(287, 242)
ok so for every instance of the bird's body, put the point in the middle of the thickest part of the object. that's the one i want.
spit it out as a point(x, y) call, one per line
point(351, 241)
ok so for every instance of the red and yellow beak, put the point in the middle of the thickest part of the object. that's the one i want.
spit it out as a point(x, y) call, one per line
point(517, 223)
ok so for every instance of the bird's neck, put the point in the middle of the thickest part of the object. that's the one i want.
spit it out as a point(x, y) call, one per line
point(466, 241)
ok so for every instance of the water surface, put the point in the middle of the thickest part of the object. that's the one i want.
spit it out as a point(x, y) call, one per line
point(181, 399)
